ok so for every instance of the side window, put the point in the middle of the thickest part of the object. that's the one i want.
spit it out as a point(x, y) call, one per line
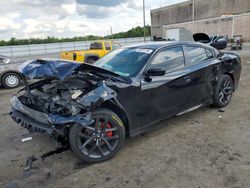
point(95, 46)
point(170, 59)
point(107, 45)
point(196, 54)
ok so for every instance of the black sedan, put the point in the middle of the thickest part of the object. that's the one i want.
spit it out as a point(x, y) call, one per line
point(92, 108)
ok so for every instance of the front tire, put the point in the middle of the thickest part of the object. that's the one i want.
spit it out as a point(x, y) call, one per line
point(224, 91)
point(101, 140)
point(11, 80)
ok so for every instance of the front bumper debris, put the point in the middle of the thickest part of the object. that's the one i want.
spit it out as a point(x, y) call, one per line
point(36, 121)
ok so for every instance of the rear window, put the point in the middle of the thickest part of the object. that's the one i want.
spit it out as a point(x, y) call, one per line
point(96, 46)
point(107, 46)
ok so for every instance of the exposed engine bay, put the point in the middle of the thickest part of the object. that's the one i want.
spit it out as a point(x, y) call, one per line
point(71, 96)
point(63, 88)
point(56, 96)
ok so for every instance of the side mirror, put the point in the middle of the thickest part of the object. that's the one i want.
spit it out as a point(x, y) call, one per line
point(155, 72)
point(219, 44)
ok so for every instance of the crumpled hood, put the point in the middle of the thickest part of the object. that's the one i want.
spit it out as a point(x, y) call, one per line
point(57, 68)
point(41, 68)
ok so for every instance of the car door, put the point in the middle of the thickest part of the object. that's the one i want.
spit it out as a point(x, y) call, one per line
point(164, 96)
point(204, 67)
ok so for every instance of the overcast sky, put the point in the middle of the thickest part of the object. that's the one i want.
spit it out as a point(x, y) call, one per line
point(69, 18)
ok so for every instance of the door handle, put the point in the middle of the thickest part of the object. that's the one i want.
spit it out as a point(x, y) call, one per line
point(187, 78)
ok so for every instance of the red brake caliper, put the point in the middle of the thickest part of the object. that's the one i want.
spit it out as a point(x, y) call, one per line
point(108, 133)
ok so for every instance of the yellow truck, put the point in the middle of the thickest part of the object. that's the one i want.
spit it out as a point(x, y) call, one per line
point(96, 51)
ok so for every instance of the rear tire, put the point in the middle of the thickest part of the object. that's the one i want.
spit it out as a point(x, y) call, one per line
point(101, 140)
point(11, 80)
point(224, 91)
point(92, 60)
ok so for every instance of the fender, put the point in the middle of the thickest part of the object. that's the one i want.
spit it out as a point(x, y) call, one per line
point(231, 66)
point(114, 105)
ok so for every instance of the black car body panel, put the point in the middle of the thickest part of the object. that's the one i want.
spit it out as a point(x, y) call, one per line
point(74, 92)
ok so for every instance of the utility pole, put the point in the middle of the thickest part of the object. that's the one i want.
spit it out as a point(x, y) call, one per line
point(144, 29)
point(193, 10)
point(111, 32)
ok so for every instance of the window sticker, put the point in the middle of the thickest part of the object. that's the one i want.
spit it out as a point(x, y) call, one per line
point(146, 51)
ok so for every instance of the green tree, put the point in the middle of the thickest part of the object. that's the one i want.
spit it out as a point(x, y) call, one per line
point(134, 32)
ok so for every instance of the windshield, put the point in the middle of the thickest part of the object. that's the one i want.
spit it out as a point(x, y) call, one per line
point(125, 61)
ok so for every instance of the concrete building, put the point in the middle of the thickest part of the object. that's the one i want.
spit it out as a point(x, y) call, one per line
point(222, 17)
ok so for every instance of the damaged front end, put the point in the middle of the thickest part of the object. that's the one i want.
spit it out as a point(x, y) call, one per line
point(62, 97)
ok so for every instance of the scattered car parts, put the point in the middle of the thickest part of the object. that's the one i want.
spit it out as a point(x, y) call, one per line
point(29, 163)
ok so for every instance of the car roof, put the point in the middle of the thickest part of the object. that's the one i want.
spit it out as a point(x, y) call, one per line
point(157, 45)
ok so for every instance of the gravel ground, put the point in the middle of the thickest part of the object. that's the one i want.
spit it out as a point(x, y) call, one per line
point(204, 148)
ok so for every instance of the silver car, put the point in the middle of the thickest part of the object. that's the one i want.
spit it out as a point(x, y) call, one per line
point(9, 75)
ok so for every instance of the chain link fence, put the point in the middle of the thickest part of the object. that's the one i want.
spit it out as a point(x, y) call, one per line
point(56, 48)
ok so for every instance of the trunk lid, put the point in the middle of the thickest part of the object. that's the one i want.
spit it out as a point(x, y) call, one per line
point(201, 37)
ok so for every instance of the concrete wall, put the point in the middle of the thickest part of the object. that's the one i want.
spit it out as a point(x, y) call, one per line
point(220, 26)
point(204, 9)
point(172, 14)
point(242, 26)
point(37, 50)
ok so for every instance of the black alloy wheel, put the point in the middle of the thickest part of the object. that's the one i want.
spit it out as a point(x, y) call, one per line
point(224, 91)
point(99, 141)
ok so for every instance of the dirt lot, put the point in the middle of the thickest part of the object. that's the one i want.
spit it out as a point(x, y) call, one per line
point(205, 148)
